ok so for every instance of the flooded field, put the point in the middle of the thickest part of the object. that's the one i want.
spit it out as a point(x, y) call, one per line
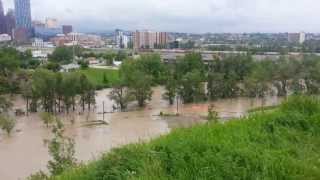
point(24, 152)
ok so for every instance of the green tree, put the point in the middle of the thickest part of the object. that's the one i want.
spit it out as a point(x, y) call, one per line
point(70, 86)
point(191, 62)
point(171, 86)
point(192, 87)
point(61, 149)
point(258, 82)
point(47, 118)
point(140, 87)
point(109, 57)
point(44, 86)
point(121, 95)
point(86, 90)
point(284, 71)
point(121, 55)
point(151, 65)
point(62, 55)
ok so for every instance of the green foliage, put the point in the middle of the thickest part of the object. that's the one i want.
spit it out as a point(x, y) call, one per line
point(258, 82)
point(7, 124)
point(121, 55)
point(5, 104)
point(84, 64)
point(62, 151)
point(62, 55)
point(47, 118)
point(56, 91)
point(140, 87)
point(281, 144)
point(191, 62)
point(140, 74)
point(171, 86)
point(192, 87)
point(38, 176)
point(212, 114)
point(53, 66)
point(97, 76)
point(121, 95)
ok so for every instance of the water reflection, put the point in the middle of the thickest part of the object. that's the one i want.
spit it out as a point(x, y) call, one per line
point(24, 152)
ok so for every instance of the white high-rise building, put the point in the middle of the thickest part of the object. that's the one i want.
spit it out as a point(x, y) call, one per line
point(121, 39)
point(302, 37)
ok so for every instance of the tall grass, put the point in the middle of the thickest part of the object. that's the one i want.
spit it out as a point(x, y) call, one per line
point(97, 77)
point(281, 144)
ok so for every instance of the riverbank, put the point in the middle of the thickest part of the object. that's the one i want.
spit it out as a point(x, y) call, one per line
point(279, 144)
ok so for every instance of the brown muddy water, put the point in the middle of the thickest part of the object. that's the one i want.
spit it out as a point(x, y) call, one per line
point(24, 152)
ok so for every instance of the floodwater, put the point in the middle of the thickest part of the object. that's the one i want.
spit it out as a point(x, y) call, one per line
point(25, 152)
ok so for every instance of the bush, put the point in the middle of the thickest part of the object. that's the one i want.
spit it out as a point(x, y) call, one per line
point(304, 104)
point(7, 124)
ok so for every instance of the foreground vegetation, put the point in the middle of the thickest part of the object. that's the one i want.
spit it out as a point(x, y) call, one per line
point(280, 144)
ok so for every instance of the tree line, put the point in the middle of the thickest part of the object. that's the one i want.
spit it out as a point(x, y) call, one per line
point(58, 92)
point(190, 80)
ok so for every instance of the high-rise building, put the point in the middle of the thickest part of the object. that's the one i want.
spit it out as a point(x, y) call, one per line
point(121, 39)
point(66, 29)
point(150, 40)
point(10, 22)
point(297, 37)
point(23, 14)
point(2, 19)
point(302, 37)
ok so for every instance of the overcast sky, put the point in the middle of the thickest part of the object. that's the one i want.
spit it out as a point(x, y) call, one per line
point(183, 15)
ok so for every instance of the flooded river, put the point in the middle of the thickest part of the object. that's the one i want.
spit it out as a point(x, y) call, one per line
point(24, 152)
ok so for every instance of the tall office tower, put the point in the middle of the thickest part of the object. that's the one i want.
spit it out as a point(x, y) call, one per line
point(23, 14)
point(2, 19)
point(10, 22)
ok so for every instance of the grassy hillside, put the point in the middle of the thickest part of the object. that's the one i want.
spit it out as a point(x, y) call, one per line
point(279, 144)
point(97, 76)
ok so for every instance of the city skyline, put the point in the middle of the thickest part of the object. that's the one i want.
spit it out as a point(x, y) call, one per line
point(182, 16)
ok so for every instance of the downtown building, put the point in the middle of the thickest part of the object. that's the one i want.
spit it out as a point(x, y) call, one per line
point(66, 29)
point(7, 22)
point(121, 39)
point(3, 26)
point(23, 29)
point(297, 37)
point(150, 40)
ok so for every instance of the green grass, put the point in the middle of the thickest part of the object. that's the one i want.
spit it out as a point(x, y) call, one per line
point(279, 144)
point(260, 109)
point(96, 76)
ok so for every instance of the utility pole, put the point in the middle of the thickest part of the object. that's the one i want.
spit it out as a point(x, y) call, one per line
point(177, 97)
point(103, 110)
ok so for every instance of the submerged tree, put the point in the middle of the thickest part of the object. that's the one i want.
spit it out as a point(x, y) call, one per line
point(61, 149)
point(7, 124)
point(192, 87)
point(121, 95)
point(171, 86)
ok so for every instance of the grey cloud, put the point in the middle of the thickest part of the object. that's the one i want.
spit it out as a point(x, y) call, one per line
point(183, 15)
